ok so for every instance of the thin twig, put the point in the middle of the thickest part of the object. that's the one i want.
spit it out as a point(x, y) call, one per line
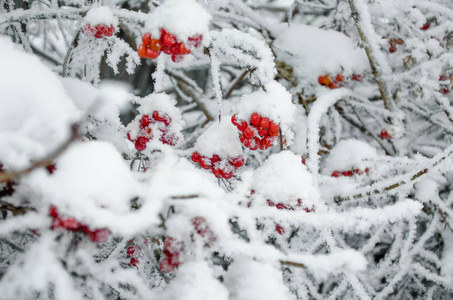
point(291, 263)
point(236, 83)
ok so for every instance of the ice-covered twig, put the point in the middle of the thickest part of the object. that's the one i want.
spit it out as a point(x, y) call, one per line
point(378, 62)
point(388, 185)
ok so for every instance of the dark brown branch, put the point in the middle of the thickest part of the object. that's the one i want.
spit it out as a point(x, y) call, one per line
point(236, 83)
point(293, 264)
point(9, 176)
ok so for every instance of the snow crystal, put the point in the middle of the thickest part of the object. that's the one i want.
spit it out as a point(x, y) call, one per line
point(283, 178)
point(195, 281)
point(274, 103)
point(221, 139)
point(247, 279)
point(313, 52)
point(35, 110)
point(349, 155)
point(182, 18)
point(101, 15)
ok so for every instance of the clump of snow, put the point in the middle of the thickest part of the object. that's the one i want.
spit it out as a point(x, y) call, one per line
point(313, 52)
point(90, 180)
point(247, 279)
point(283, 178)
point(195, 281)
point(349, 155)
point(274, 103)
point(101, 15)
point(221, 139)
point(35, 110)
point(182, 18)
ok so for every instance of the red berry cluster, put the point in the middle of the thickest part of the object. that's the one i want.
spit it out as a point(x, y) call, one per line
point(327, 81)
point(172, 248)
point(259, 133)
point(133, 252)
point(393, 42)
point(446, 89)
point(99, 31)
point(202, 228)
point(217, 166)
point(145, 133)
point(152, 48)
point(71, 224)
point(349, 173)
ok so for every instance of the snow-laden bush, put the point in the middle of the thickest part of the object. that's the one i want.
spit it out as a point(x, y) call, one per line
point(260, 149)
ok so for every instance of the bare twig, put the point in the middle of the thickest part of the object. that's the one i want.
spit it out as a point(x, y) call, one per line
point(293, 264)
point(236, 83)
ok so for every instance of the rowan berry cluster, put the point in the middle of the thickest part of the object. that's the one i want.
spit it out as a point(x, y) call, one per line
point(259, 132)
point(202, 228)
point(71, 224)
point(133, 252)
point(145, 133)
point(220, 166)
point(350, 173)
point(280, 229)
point(393, 42)
point(168, 44)
point(445, 88)
point(327, 81)
point(98, 31)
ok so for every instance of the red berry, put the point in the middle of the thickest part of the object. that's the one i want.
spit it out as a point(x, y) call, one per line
point(255, 119)
point(167, 39)
point(385, 135)
point(333, 85)
point(234, 120)
point(134, 262)
point(280, 206)
point(216, 172)
point(254, 143)
point(247, 142)
point(321, 80)
point(182, 49)
point(237, 162)
point(165, 266)
point(174, 49)
point(151, 54)
point(145, 120)
point(326, 80)
point(226, 175)
point(357, 77)
point(140, 143)
point(155, 45)
point(392, 49)
point(248, 132)
point(166, 49)
point(110, 30)
point(443, 77)
point(162, 117)
point(204, 164)
point(358, 172)
point(146, 38)
point(270, 203)
point(426, 26)
point(274, 129)
point(279, 229)
point(195, 40)
point(266, 142)
point(339, 78)
point(265, 123)
point(444, 91)
point(99, 235)
point(215, 158)
point(242, 126)
point(347, 173)
point(169, 138)
point(51, 168)
point(176, 58)
point(196, 157)
point(141, 51)
point(131, 250)
point(335, 174)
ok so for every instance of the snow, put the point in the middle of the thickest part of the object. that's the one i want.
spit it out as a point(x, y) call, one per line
point(182, 18)
point(313, 52)
point(100, 15)
point(247, 279)
point(349, 155)
point(195, 281)
point(219, 138)
point(274, 103)
point(35, 111)
point(283, 178)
